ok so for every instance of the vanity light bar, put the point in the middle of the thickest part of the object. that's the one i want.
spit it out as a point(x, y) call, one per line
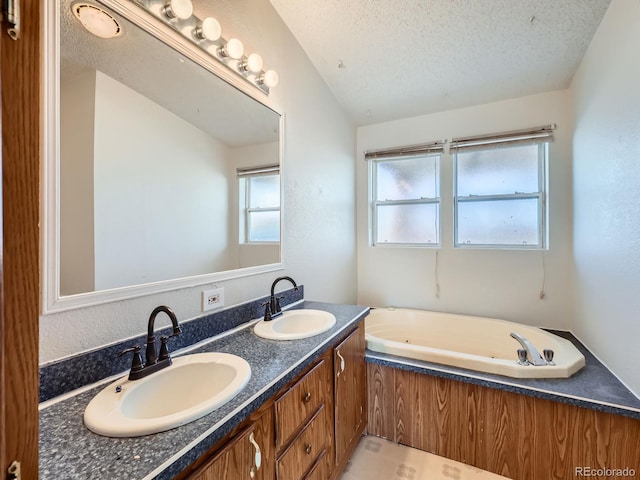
point(206, 34)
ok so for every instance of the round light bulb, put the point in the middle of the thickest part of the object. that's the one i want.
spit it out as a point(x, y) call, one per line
point(254, 63)
point(209, 29)
point(233, 49)
point(181, 9)
point(270, 78)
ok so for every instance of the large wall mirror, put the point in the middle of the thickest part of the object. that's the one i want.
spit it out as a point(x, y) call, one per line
point(160, 174)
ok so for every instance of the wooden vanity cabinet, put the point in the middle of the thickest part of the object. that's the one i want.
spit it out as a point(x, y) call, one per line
point(307, 431)
point(350, 394)
point(248, 455)
point(304, 425)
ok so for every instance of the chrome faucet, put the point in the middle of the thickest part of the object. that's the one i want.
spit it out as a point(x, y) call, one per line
point(153, 362)
point(272, 307)
point(528, 355)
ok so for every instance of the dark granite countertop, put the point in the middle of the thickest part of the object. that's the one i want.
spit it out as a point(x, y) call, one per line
point(69, 450)
point(593, 386)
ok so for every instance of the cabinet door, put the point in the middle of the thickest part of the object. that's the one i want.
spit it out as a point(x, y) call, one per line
point(249, 456)
point(350, 395)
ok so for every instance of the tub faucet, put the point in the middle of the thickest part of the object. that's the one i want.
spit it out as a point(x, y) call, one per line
point(153, 361)
point(532, 356)
point(273, 309)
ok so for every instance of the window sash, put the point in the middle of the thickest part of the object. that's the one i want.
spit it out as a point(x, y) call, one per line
point(246, 175)
point(375, 204)
point(249, 228)
point(539, 195)
point(375, 234)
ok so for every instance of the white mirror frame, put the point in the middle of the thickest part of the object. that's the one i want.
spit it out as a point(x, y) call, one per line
point(52, 301)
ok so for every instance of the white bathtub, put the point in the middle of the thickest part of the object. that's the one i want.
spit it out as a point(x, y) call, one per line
point(464, 341)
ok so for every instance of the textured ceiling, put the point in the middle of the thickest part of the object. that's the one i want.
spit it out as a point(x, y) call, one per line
point(389, 59)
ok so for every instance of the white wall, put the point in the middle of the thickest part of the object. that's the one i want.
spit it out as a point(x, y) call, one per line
point(319, 196)
point(496, 283)
point(141, 165)
point(606, 103)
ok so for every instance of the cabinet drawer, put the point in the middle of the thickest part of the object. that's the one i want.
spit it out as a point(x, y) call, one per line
point(304, 452)
point(295, 407)
point(320, 470)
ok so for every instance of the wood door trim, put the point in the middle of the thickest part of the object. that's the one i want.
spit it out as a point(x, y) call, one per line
point(3, 448)
point(20, 79)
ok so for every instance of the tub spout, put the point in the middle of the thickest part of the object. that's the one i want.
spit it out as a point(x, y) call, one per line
point(533, 356)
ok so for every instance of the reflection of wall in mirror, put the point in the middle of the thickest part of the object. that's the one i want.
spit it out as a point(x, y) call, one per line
point(147, 160)
point(76, 185)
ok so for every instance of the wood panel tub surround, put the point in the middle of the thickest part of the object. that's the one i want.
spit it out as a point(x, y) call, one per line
point(518, 436)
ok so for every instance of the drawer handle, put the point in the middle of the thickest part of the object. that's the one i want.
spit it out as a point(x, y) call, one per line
point(341, 362)
point(257, 458)
point(307, 448)
point(307, 397)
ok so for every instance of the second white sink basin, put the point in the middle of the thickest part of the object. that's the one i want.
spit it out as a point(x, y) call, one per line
point(295, 324)
point(193, 386)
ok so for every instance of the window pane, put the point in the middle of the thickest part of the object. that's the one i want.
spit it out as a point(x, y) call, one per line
point(264, 226)
point(407, 223)
point(499, 222)
point(264, 191)
point(407, 179)
point(498, 171)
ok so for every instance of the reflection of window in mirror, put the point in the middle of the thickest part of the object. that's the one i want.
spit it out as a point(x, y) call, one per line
point(259, 189)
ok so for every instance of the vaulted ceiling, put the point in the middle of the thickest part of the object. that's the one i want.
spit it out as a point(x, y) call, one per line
point(389, 59)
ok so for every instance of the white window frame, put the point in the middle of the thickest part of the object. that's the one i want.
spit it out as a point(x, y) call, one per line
point(245, 175)
point(418, 201)
point(540, 195)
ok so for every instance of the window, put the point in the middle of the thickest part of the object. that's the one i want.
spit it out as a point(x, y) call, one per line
point(500, 192)
point(260, 204)
point(406, 197)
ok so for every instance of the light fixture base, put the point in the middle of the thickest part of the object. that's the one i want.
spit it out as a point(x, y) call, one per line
point(96, 20)
point(206, 35)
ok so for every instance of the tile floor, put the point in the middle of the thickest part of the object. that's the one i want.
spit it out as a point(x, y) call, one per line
point(379, 459)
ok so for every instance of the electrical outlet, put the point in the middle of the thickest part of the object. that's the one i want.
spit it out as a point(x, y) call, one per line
point(213, 298)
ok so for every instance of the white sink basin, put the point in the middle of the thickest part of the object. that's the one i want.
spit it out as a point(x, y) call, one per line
point(193, 386)
point(295, 324)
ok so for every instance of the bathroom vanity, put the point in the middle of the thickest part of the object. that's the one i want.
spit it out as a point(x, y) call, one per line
point(299, 417)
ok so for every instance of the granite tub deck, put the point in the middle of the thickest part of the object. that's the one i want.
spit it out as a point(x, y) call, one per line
point(593, 386)
point(69, 450)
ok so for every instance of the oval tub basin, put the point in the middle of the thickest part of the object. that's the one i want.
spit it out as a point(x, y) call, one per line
point(475, 343)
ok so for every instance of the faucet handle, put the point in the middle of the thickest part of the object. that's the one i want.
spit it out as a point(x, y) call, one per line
point(522, 357)
point(267, 310)
point(278, 309)
point(136, 363)
point(548, 356)
point(164, 351)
